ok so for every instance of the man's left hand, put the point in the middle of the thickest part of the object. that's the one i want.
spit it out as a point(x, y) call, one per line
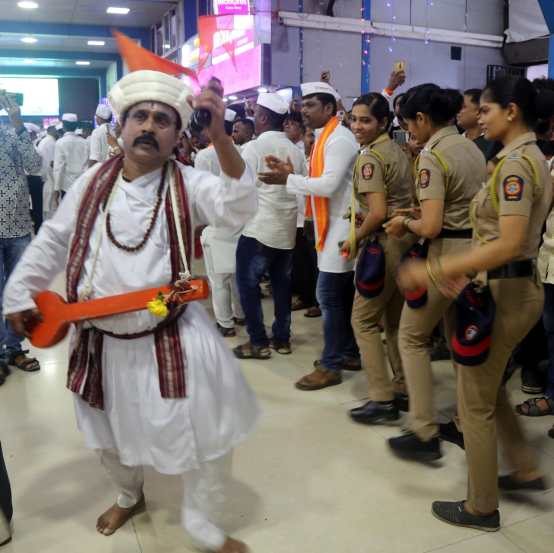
point(279, 173)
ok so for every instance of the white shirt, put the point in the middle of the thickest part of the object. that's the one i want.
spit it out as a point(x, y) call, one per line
point(545, 261)
point(274, 224)
point(70, 160)
point(207, 160)
point(172, 436)
point(99, 143)
point(340, 154)
point(46, 149)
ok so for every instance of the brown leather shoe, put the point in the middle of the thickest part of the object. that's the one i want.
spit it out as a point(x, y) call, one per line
point(319, 379)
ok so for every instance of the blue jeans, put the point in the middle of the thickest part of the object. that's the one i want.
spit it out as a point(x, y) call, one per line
point(254, 260)
point(548, 320)
point(335, 295)
point(11, 250)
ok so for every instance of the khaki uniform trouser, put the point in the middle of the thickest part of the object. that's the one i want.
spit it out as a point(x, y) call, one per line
point(367, 314)
point(483, 403)
point(416, 329)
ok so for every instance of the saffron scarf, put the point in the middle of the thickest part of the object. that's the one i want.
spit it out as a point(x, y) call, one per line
point(85, 364)
point(317, 167)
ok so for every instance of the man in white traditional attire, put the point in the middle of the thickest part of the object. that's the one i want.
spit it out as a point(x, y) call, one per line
point(167, 395)
point(46, 149)
point(101, 136)
point(220, 246)
point(70, 156)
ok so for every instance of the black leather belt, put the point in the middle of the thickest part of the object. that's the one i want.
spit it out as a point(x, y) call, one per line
point(514, 269)
point(449, 233)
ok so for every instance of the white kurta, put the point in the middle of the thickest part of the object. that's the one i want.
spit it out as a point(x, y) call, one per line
point(171, 435)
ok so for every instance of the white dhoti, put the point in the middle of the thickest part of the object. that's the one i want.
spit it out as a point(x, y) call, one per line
point(203, 495)
point(220, 262)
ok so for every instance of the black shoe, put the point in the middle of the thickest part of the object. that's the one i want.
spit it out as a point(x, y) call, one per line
point(409, 446)
point(402, 402)
point(239, 322)
point(226, 332)
point(374, 412)
point(508, 483)
point(449, 433)
point(550, 433)
point(532, 382)
point(453, 512)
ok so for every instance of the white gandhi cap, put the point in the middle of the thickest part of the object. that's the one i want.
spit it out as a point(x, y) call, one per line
point(104, 112)
point(70, 117)
point(273, 102)
point(319, 88)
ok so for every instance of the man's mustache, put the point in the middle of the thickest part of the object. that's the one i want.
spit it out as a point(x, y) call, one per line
point(147, 139)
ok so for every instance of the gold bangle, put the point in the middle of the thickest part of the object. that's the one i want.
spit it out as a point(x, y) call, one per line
point(406, 222)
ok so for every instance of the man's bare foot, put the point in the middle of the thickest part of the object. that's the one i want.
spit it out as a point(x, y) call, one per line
point(115, 517)
point(233, 546)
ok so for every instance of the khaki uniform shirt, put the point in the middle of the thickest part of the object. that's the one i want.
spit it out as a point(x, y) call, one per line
point(383, 167)
point(518, 194)
point(467, 171)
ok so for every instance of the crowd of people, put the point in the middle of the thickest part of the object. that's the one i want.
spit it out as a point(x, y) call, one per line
point(412, 221)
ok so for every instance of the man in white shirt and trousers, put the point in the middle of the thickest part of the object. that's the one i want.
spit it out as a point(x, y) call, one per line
point(99, 147)
point(219, 246)
point(168, 395)
point(267, 241)
point(70, 156)
point(329, 197)
point(46, 148)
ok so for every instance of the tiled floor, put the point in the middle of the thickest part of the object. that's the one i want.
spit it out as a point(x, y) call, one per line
point(308, 480)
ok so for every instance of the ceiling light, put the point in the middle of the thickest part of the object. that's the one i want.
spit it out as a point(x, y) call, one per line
point(96, 43)
point(29, 39)
point(82, 63)
point(233, 98)
point(118, 11)
point(167, 46)
point(28, 61)
point(27, 5)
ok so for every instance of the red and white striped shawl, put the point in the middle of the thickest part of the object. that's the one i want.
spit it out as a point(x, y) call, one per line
point(85, 364)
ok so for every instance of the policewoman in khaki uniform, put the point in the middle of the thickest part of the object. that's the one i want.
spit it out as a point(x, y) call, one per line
point(508, 214)
point(382, 183)
point(449, 172)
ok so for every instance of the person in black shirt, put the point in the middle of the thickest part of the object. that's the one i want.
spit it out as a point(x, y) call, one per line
point(468, 120)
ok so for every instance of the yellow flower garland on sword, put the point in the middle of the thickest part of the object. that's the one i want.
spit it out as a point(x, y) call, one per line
point(158, 306)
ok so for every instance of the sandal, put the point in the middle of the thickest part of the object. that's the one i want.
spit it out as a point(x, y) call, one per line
point(282, 348)
point(531, 408)
point(249, 351)
point(27, 364)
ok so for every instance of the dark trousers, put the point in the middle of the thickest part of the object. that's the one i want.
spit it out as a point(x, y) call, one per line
point(532, 349)
point(548, 320)
point(5, 489)
point(335, 294)
point(304, 268)
point(36, 184)
point(254, 260)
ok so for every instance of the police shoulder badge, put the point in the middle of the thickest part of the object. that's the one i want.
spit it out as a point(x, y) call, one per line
point(424, 178)
point(367, 171)
point(512, 187)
